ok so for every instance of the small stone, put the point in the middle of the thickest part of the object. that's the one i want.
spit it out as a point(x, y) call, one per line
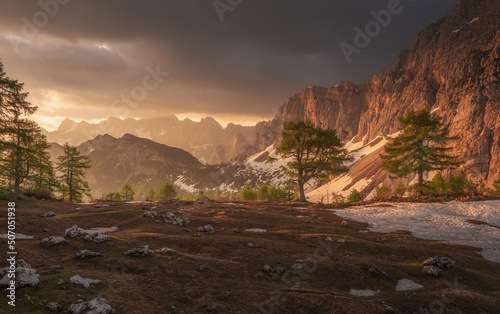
point(212, 308)
point(253, 245)
point(86, 282)
point(56, 267)
point(87, 253)
point(268, 269)
point(298, 266)
point(441, 262)
point(202, 268)
point(150, 214)
point(345, 223)
point(376, 272)
point(314, 215)
point(432, 271)
point(60, 282)
point(280, 270)
point(208, 229)
point(101, 205)
point(197, 235)
point(73, 232)
point(53, 240)
point(299, 261)
point(166, 250)
point(139, 252)
point(237, 230)
point(45, 230)
point(225, 296)
point(97, 305)
point(54, 307)
point(49, 214)
point(97, 237)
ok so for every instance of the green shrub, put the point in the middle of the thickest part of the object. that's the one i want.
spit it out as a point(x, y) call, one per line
point(496, 186)
point(457, 183)
point(248, 194)
point(338, 198)
point(400, 189)
point(354, 197)
point(382, 192)
point(437, 184)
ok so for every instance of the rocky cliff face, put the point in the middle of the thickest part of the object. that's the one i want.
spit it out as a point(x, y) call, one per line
point(453, 69)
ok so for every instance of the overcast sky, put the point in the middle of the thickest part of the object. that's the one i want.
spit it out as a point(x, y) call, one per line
point(88, 60)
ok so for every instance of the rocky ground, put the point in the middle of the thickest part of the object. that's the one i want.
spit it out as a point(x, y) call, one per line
point(236, 258)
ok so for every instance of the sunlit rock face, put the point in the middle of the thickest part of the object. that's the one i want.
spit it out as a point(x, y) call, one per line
point(452, 69)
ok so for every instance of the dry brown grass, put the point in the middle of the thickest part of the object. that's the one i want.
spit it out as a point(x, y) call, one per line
point(173, 284)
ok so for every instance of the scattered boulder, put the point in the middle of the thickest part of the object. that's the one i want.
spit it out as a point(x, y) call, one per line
point(96, 306)
point(97, 237)
point(139, 252)
point(149, 214)
point(53, 240)
point(225, 296)
point(298, 266)
point(49, 214)
point(202, 268)
point(376, 272)
point(101, 205)
point(166, 250)
point(441, 262)
point(86, 282)
point(212, 308)
point(267, 269)
point(87, 253)
point(253, 245)
point(171, 219)
point(207, 229)
point(25, 275)
point(432, 271)
point(73, 232)
point(54, 307)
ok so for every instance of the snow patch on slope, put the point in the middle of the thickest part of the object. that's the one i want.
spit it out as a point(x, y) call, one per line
point(444, 222)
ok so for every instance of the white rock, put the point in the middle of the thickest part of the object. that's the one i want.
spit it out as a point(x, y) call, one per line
point(431, 270)
point(441, 262)
point(101, 205)
point(95, 306)
point(53, 240)
point(73, 232)
point(25, 275)
point(407, 284)
point(86, 282)
point(87, 253)
point(139, 252)
point(364, 293)
point(97, 237)
point(49, 214)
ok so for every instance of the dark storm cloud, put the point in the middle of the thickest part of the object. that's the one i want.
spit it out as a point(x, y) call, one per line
point(90, 52)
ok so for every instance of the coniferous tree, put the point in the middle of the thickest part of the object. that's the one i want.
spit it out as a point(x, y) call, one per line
point(166, 191)
point(127, 193)
point(420, 148)
point(13, 104)
point(72, 167)
point(316, 153)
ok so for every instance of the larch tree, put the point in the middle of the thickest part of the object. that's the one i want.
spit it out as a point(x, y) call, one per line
point(72, 167)
point(127, 193)
point(315, 152)
point(420, 147)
